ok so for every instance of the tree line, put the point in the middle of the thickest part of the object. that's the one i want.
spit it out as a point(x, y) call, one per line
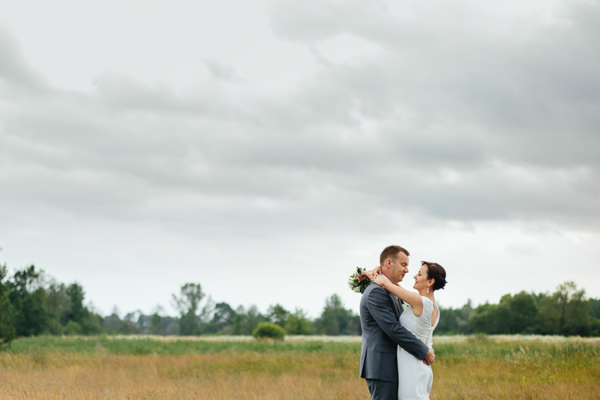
point(565, 312)
point(32, 303)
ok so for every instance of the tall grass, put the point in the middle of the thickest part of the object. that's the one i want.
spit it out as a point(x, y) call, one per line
point(181, 346)
point(106, 368)
point(484, 369)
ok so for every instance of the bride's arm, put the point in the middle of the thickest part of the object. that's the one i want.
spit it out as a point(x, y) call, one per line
point(412, 298)
point(370, 274)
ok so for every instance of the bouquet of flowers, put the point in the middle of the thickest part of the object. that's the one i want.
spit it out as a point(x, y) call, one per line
point(358, 282)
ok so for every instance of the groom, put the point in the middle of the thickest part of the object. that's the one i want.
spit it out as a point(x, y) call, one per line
point(382, 332)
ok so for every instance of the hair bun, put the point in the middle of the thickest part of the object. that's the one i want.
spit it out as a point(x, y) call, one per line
point(436, 272)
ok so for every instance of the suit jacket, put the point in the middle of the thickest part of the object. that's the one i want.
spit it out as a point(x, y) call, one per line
point(382, 333)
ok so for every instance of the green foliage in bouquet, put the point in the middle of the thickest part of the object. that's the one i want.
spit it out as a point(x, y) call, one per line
point(355, 282)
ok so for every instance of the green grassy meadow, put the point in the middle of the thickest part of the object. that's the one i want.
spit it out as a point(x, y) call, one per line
point(152, 368)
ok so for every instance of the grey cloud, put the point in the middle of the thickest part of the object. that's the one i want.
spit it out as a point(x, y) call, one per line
point(220, 70)
point(313, 21)
point(466, 60)
point(471, 129)
point(14, 72)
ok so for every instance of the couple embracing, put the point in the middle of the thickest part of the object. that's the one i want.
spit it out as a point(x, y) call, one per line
point(396, 352)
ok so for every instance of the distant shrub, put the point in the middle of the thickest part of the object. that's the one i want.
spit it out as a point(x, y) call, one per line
point(72, 328)
point(268, 330)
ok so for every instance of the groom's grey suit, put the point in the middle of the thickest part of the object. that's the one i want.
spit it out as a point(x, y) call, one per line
point(381, 334)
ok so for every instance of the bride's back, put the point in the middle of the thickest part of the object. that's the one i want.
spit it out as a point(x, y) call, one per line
point(420, 326)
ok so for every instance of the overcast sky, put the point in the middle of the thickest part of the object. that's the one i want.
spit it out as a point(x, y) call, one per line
point(266, 148)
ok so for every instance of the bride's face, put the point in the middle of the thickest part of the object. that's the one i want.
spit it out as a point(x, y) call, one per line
point(421, 280)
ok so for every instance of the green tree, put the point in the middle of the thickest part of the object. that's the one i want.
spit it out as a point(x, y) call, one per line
point(298, 324)
point(92, 322)
point(565, 312)
point(336, 320)
point(549, 315)
point(455, 321)
point(155, 326)
point(577, 310)
point(524, 312)
point(76, 311)
point(491, 318)
point(482, 319)
point(28, 298)
point(595, 308)
point(246, 321)
point(112, 323)
point(463, 318)
point(191, 314)
point(223, 319)
point(448, 322)
point(594, 317)
point(72, 309)
point(57, 307)
point(7, 330)
point(129, 324)
point(278, 315)
point(514, 314)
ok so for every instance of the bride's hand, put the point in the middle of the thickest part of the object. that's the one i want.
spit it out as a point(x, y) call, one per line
point(379, 279)
point(362, 276)
point(373, 273)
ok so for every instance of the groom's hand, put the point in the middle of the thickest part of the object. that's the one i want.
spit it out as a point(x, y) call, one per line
point(429, 357)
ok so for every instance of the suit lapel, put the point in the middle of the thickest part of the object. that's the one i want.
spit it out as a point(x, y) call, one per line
point(397, 306)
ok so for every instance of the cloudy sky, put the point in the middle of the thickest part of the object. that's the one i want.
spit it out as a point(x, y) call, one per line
point(266, 148)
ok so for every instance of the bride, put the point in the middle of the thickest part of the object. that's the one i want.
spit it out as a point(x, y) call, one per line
point(421, 317)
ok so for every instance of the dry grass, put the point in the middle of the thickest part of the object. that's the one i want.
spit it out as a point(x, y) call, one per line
point(475, 368)
point(506, 369)
point(247, 375)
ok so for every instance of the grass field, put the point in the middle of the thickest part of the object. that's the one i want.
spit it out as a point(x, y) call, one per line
point(123, 368)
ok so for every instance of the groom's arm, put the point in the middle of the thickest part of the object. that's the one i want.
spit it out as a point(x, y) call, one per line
point(379, 305)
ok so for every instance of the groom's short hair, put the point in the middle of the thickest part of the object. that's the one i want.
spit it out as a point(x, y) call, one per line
point(391, 252)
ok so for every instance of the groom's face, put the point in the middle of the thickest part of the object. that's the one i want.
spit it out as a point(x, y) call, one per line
point(399, 268)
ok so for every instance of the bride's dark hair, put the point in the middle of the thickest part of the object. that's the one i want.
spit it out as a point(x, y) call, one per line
point(436, 272)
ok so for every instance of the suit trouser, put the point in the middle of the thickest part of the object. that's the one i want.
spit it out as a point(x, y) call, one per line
point(382, 390)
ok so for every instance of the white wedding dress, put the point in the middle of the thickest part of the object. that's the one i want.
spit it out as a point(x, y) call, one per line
point(415, 378)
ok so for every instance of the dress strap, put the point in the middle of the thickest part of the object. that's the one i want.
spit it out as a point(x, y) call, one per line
point(427, 306)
